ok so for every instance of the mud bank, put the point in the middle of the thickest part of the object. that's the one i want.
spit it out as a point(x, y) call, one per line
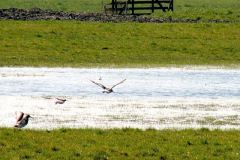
point(39, 14)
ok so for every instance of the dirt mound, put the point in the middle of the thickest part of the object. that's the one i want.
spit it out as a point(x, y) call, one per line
point(39, 14)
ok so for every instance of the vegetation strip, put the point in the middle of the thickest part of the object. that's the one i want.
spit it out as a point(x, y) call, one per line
point(119, 144)
point(78, 44)
point(204, 10)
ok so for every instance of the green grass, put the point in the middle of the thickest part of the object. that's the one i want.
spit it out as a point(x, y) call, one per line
point(77, 44)
point(204, 9)
point(64, 5)
point(119, 144)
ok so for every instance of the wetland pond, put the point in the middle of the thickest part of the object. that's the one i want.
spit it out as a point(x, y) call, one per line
point(160, 98)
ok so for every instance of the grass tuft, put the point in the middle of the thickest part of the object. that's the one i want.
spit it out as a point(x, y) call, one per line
point(101, 156)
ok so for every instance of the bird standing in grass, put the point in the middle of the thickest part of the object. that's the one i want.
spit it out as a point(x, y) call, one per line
point(22, 120)
point(107, 89)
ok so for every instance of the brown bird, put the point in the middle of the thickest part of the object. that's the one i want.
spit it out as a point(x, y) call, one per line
point(22, 120)
point(60, 101)
point(107, 89)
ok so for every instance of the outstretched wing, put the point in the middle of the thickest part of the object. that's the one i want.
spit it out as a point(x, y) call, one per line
point(118, 83)
point(19, 116)
point(99, 84)
point(60, 99)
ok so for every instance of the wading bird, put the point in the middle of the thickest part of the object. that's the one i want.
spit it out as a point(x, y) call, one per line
point(60, 101)
point(22, 120)
point(107, 89)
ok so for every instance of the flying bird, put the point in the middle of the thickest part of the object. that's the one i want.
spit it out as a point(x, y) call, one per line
point(60, 101)
point(22, 120)
point(107, 89)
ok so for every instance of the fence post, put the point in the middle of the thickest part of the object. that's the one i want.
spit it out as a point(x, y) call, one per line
point(152, 6)
point(132, 6)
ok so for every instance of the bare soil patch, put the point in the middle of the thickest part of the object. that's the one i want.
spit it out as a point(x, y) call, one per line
point(39, 14)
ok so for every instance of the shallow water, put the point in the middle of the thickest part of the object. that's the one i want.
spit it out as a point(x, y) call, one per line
point(149, 98)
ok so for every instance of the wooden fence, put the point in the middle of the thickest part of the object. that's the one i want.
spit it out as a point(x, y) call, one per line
point(133, 6)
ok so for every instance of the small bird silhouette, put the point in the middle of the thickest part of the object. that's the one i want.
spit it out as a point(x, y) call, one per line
point(107, 89)
point(60, 101)
point(22, 120)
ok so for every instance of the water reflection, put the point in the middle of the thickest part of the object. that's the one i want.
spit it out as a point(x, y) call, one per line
point(151, 83)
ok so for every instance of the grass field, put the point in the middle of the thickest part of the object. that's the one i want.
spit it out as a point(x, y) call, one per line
point(204, 9)
point(119, 144)
point(77, 44)
point(63, 5)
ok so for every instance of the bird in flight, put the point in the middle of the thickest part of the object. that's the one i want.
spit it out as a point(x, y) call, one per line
point(22, 119)
point(60, 101)
point(107, 89)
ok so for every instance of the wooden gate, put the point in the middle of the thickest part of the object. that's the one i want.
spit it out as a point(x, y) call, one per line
point(132, 6)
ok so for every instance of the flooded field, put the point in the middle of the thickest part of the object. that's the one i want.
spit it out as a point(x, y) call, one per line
point(149, 98)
